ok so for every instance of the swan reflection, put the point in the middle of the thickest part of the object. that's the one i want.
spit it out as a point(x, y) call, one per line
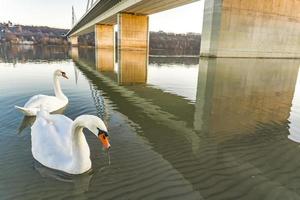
point(81, 182)
point(27, 121)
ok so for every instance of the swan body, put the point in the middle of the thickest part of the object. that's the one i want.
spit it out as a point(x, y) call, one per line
point(59, 143)
point(49, 103)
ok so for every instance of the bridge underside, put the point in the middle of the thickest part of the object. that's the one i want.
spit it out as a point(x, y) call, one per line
point(107, 12)
point(231, 28)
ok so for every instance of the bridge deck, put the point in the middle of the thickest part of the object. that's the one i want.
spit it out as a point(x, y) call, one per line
point(105, 12)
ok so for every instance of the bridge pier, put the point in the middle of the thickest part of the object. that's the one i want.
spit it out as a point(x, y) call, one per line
point(104, 36)
point(256, 28)
point(74, 41)
point(133, 39)
point(104, 43)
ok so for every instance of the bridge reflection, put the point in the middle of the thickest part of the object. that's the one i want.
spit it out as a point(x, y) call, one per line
point(105, 61)
point(133, 70)
point(233, 93)
point(241, 112)
point(133, 67)
point(237, 128)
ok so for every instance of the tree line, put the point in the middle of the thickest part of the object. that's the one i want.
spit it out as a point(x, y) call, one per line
point(159, 42)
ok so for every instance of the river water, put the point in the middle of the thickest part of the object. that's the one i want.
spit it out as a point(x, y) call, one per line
point(191, 129)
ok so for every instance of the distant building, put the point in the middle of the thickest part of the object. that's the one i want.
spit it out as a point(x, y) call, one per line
point(2, 34)
point(19, 29)
point(26, 42)
point(10, 24)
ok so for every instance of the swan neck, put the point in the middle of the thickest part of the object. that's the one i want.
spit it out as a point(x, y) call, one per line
point(77, 134)
point(80, 148)
point(57, 89)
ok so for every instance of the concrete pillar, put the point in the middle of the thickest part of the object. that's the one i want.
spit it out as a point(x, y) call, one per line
point(104, 36)
point(104, 42)
point(256, 28)
point(74, 41)
point(133, 39)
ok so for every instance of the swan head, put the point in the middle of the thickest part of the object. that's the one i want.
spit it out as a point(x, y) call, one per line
point(60, 73)
point(97, 127)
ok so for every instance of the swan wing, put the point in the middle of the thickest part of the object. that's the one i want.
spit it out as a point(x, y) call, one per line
point(49, 103)
point(51, 141)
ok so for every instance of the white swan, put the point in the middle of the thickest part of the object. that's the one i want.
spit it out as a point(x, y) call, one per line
point(49, 103)
point(59, 143)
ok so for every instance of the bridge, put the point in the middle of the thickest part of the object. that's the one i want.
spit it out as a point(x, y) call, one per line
point(231, 28)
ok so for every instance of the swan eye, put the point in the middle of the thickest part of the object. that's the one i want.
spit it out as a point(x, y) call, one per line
point(100, 132)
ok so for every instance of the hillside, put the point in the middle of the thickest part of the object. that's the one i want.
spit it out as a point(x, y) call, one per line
point(160, 42)
point(21, 34)
point(172, 43)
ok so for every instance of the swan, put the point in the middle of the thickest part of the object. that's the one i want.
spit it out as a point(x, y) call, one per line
point(50, 103)
point(59, 143)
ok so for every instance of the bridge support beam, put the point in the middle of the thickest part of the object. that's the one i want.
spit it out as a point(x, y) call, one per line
point(133, 44)
point(74, 41)
point(104, 42)
point(256, 28)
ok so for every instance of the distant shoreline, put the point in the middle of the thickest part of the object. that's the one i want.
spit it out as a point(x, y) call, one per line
point(31, 45)
point(175, 56)
point(160, 43)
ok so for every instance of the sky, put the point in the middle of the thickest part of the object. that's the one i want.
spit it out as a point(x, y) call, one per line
point(58, 14)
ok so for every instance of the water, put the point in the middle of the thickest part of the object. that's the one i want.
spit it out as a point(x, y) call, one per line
point(208, 129)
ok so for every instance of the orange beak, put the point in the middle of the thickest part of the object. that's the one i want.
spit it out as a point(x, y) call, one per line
point(104, 139)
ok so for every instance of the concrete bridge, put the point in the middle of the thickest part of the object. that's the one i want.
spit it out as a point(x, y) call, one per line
point(231, 28)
